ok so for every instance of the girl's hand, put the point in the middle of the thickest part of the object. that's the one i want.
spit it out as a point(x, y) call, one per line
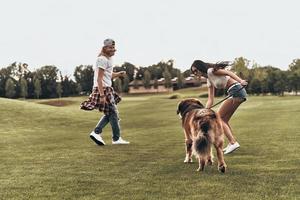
point(244, 82)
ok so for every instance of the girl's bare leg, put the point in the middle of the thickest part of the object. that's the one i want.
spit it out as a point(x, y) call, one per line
point(226, 111)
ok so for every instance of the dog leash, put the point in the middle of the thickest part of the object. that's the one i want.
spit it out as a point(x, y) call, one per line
point(243, 86)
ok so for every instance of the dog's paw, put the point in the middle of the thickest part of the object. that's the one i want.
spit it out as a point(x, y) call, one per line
point(188, 160)
point(210, 162)
point(200, 169)
point(222, 168)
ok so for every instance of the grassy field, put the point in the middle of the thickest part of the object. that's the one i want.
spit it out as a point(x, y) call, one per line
point(46, 152)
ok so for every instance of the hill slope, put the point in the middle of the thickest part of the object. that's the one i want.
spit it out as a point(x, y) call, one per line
point(45, 152)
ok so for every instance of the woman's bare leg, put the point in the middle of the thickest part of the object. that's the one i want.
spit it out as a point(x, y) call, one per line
point(226, 111)
point(228, 133)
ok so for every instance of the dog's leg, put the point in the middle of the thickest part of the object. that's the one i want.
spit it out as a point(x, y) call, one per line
point(219, 147)
point(221, 162)
point(210, 158)
point(188, 150)
point(201, 163)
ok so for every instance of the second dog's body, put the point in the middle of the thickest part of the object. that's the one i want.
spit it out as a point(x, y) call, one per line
point(202, 128)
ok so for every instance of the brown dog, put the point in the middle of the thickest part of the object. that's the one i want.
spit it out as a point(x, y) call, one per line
point(202, 128)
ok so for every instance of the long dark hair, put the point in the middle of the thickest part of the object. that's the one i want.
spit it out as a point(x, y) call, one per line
point(203, 66)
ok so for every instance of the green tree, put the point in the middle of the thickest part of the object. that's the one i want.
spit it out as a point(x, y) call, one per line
point(294, 76)
point(275, 80)
point(78, 88)
point(5, 74)
point(129, 68)
point(155, 71)
point(155, 83)
point(295, 65)
point(59, 89)
point(125, 84)
point(187, 73)
point(167, 76)
point(240, 67)
point(66, 86)
point(48, 77)
point(180, 79)
point(10, 88)
point(281, 82)
point(37, 88)
point(118, 85)
point(293, 81)
point(147, 79)
point(23, 88)
point(255, 86)
point(84, 75)
point(136, 84)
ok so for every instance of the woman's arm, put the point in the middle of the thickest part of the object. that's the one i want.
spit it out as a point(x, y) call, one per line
point(211, 96)
point(118, 74)
point(223, 72)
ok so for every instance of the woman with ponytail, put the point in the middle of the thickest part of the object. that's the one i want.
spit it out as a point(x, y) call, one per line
point(220, 78)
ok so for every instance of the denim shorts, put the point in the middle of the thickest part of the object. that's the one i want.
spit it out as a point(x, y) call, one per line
point(236, 91)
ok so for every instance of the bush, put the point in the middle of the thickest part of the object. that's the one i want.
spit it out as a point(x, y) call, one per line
point(175, 96)
point(204, 95)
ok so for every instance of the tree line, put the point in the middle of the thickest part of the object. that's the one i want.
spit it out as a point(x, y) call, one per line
point(268, 79)
point(16, 81)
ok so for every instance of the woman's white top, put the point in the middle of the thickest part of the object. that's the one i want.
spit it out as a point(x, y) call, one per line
point(107, 65)
point(218, 82)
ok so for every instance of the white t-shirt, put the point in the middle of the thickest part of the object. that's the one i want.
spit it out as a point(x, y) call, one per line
point(218, 82)
point(107, 65)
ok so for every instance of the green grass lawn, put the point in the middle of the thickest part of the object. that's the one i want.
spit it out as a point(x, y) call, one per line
point(46, 152)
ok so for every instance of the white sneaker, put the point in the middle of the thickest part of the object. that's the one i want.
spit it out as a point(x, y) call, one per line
point(97, 138)
point(232, 148)
point(226, 147)
point(120, 141)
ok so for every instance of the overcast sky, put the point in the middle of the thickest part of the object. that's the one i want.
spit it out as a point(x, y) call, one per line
point(67, 33)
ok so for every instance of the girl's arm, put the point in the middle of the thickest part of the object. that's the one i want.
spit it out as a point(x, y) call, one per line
point(211, 96)
point(223, 72)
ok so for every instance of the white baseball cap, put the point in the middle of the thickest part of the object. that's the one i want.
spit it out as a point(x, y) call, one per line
point(108, 42)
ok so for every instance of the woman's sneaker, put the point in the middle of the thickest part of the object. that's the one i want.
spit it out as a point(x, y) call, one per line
point(120, 141)
point(232, 148)
point(97, 138)
point(226, 147)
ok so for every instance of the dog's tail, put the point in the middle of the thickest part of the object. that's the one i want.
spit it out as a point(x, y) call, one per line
point(202, 142)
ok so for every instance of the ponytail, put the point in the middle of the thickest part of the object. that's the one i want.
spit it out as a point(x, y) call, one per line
point(221, 65)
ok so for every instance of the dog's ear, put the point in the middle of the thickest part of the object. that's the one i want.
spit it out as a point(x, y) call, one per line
point(200, 104)
point(179, 107)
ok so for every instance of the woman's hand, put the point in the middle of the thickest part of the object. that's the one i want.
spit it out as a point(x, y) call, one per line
point(102, 100)
point(118, 74)
point(244, 83)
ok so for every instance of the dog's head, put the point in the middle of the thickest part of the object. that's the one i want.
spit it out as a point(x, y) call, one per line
point(187, 105)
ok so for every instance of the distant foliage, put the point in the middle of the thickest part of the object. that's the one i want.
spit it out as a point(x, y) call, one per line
point(10, 88)
point(117, 85)
point(147, 79)
point(16, 81)
point(167, 77)
point(37, 88)
point(23, 88)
